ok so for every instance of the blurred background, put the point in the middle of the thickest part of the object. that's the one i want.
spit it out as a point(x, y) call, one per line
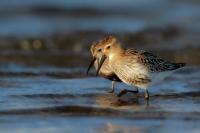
point(45, 51)
point(58, 33)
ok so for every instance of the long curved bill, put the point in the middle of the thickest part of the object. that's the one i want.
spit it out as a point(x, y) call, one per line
point(103, 58)
point(91, 63)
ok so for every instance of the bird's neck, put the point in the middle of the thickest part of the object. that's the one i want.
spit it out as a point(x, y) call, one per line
point(116, 55)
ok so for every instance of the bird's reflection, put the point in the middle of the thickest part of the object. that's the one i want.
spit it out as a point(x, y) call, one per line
point(116, 128)
point(129, 100)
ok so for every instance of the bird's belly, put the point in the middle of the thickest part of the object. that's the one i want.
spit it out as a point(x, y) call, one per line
point(136, 75)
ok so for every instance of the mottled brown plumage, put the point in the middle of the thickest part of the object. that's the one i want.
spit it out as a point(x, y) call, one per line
point(136, 67)
point(154, 63)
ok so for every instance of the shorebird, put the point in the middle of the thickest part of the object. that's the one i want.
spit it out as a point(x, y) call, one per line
point(136, 67)
point(106, 72)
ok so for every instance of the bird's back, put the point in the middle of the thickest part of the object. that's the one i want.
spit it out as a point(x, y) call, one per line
point(153, 62)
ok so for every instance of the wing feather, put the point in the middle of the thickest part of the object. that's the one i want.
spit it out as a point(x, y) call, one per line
point(153, 62)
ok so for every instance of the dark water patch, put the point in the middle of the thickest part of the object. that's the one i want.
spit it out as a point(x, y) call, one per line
point(56, 96)
point(93, 111)
point(178, 95)
point(61, 75)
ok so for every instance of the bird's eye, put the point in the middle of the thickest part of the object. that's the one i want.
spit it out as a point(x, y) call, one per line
point(99, 50)
point(108, 47)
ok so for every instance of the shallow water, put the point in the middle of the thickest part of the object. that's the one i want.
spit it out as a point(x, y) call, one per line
point(52, 104)
point(44, 53)
point(38, 18)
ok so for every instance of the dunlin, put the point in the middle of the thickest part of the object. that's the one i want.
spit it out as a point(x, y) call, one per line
point(106, 72)
point(134, 67)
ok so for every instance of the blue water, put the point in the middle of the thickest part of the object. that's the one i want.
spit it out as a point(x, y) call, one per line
point(49, 92)
point(21, 17)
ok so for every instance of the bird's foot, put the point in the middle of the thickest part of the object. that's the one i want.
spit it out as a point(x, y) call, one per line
point(123, 92)
point(147, 103)
point(111, 91)
point(146, 95)
point(135, 91)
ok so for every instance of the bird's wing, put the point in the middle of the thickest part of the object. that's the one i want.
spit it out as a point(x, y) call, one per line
point(153, 62)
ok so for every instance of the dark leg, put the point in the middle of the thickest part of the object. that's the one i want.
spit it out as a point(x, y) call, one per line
point(147, 103)
point(146, 94)
point(123, 92)
point(113, 87)
point(136, 90)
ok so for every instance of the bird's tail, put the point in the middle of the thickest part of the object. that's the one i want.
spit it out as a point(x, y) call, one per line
point(178, 65)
